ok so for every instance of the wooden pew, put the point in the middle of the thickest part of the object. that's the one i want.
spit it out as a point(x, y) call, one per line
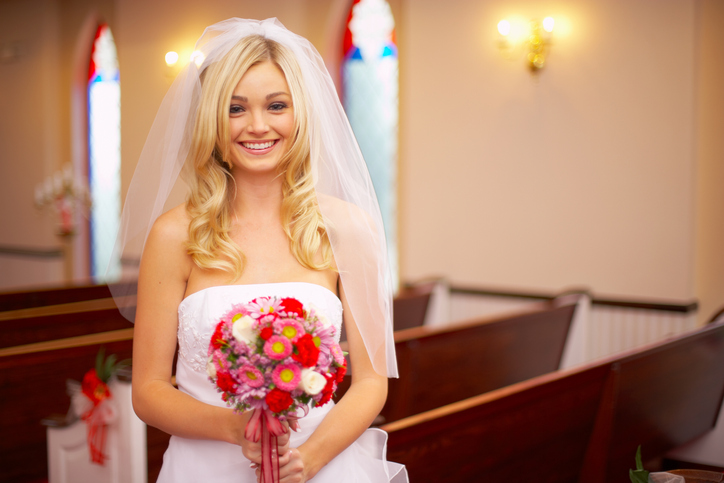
point(660, 398)
point(32, 387)
point(40, 324)
point(536, 430)
point(40, 297)
point(579, 425)
point(471, 358)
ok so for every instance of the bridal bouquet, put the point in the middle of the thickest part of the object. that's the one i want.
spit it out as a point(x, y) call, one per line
point(274, 356)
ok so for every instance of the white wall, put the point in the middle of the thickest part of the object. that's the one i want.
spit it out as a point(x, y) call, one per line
point(603, 171)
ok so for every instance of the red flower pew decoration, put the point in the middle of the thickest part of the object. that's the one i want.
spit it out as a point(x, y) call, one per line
point(93, 402)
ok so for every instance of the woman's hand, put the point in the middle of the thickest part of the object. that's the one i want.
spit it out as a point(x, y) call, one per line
point(293, 470)
point(252, 450)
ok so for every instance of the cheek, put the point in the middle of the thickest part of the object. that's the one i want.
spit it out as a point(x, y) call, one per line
point(236, 126)
point(288, 127)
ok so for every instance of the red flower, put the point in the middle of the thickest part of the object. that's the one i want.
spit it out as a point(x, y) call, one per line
point(307, 352)
point(341, 371)
point(292, 306)
point(328, 390)
point(278, 400)
point(95, 389)
point(217, 340)
point(225, 382)
point(266, 332)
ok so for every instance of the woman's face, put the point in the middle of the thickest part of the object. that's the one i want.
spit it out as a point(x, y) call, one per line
point(261, 119)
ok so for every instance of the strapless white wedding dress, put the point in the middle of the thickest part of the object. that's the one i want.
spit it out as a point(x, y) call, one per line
point(196, 461)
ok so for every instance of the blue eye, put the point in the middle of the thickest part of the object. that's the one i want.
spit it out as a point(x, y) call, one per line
point(277, 106)
point(236, 109)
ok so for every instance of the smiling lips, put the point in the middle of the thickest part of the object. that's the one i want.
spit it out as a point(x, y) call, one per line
point(259, 147)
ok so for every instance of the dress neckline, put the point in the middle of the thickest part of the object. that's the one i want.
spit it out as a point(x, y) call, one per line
point(268, 284)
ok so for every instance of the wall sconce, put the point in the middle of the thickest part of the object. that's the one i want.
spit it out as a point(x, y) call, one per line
point(174, 64)
point(534, 40)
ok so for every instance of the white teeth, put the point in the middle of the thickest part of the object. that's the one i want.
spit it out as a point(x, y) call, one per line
point(258, 145)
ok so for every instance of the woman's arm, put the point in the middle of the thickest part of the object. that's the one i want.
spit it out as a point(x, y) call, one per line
point(165, 267)
point(353, 414)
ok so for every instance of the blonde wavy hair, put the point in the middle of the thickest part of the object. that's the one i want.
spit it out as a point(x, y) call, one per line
point(212, 185)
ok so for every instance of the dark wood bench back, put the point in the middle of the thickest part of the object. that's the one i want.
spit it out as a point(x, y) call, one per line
point(536, 430)
point(662, 397)
point(438, 367)
point(25, 299)
point(28, 326)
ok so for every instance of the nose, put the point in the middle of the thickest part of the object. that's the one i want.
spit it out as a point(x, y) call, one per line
point(258, 123)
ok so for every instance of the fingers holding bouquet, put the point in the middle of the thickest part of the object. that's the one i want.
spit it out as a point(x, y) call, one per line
point(293, 470)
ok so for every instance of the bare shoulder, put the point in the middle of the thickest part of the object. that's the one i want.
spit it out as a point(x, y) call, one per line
point(165, 248)
point(345, 218)
point(172, 226)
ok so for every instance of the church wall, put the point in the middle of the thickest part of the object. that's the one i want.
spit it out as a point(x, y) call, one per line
point(30, 134)
point(580, 176)
point(588, 174)
point(709, 262)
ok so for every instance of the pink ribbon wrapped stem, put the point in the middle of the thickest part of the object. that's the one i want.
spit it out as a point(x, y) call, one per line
point(265, 427)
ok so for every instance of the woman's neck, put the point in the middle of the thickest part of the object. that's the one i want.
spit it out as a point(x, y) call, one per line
point(257, 196)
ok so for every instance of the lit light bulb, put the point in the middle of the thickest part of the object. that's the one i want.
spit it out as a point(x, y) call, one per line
point(548, 24)
point(171, 58)
point(504, 27)
point(197, 58)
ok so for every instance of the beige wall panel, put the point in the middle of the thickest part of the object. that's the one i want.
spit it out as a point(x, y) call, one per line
point(582, 175)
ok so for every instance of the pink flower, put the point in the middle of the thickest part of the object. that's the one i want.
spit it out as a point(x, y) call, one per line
point(287, 376)
point(324, 338)
point(338, 355)
point(289, 328)
point(264, 306)
point(278, 347)
point(251, 375)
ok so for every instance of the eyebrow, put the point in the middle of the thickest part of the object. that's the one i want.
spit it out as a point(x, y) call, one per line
point(269, 96)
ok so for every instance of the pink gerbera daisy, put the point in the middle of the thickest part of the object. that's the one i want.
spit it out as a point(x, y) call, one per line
point(264, 306)
point(324, 338)
point(289, 328)
point(251, 375)
point(287, 376)
point(278, 347)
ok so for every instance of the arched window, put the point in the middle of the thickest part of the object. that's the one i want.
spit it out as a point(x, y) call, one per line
point(104, 153)
point(370, 98)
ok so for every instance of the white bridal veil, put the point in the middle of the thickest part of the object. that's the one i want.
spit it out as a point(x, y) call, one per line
point(344, 190)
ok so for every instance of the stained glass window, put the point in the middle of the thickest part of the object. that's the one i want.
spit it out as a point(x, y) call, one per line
point(104, 154)
point(370, 98)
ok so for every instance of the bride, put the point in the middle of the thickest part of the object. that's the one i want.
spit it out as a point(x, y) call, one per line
point(279, 204)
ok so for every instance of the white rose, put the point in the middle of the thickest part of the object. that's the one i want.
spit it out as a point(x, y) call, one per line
point(243, 330)
point(211, 368)
point(312, 382)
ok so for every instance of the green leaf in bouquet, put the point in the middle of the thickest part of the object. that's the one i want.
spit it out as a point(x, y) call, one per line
point(639, 475)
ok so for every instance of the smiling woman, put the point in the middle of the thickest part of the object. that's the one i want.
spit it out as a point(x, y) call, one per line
point(280, 205)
